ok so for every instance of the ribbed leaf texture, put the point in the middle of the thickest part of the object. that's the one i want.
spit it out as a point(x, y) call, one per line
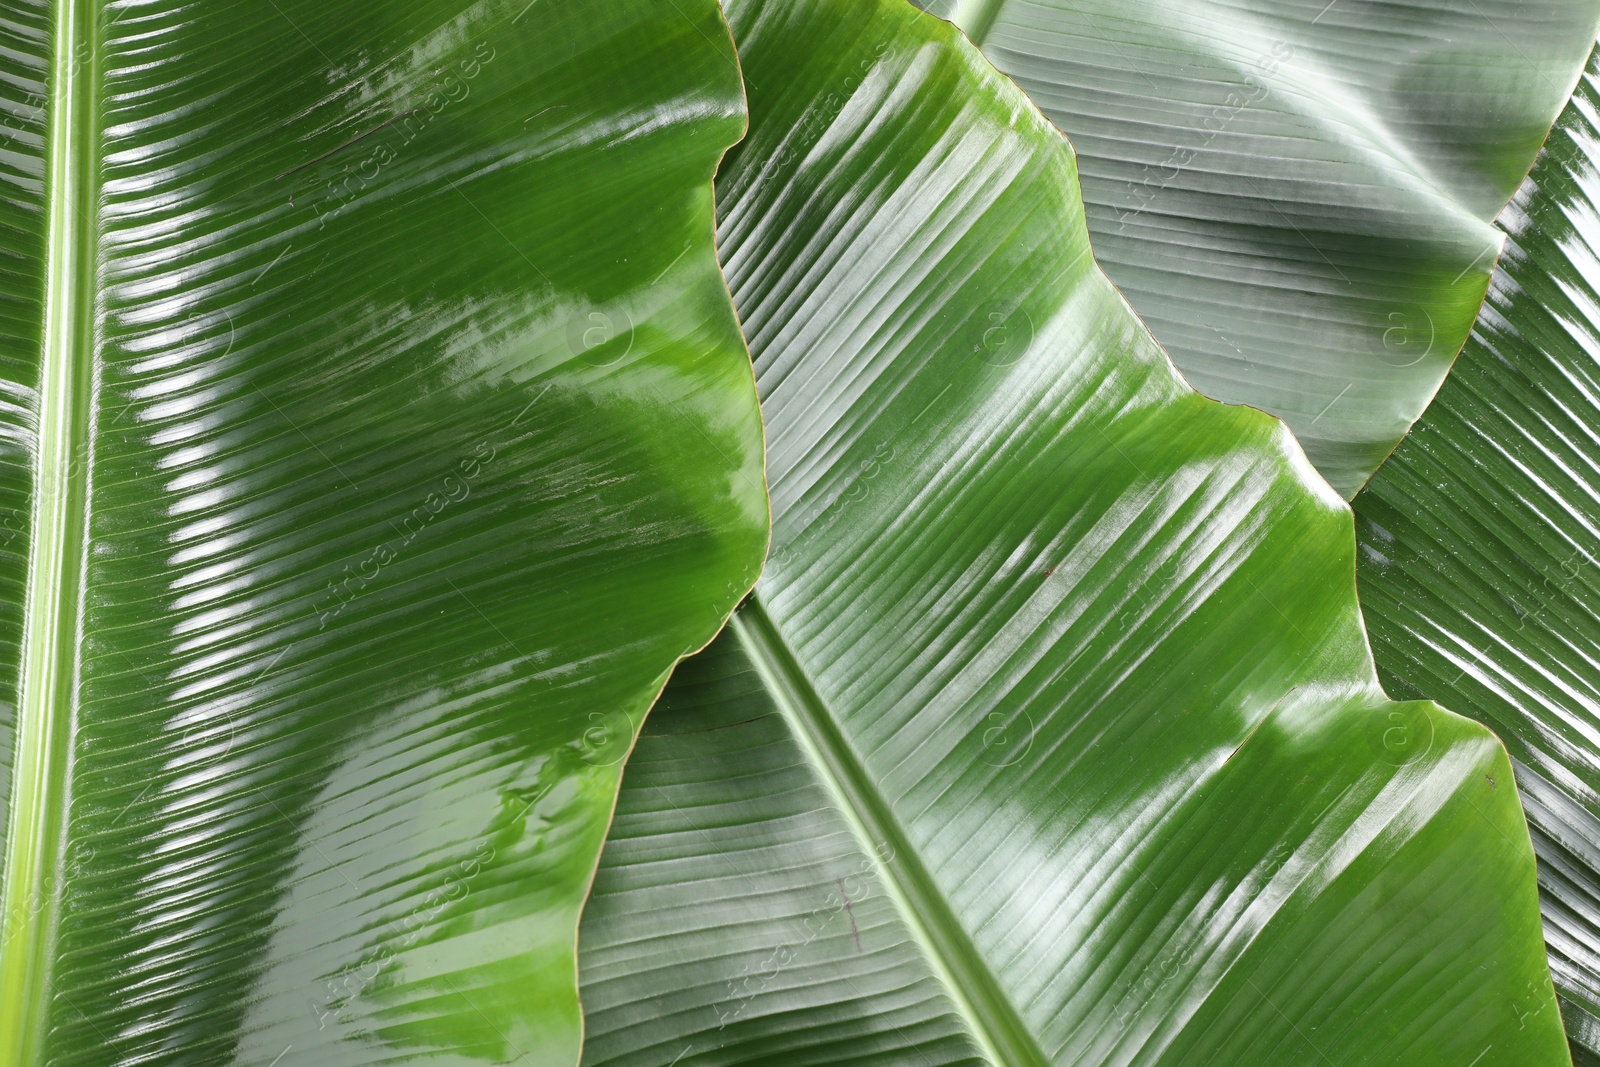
point(1479, 540)
point(1297, 195)
point(1050, 734)
point(377, 433)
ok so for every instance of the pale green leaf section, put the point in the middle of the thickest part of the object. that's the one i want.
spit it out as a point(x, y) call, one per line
point(1297, 195)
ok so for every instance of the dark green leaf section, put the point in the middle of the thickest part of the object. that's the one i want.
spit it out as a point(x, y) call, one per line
point(1072, 651)
point(23, 51)
point(391, 435)
point(1480, 538)
point(1297, 195)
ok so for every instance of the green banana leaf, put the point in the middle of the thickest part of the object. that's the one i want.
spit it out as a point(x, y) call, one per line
point(377, 433)
point(1479, 540)
point(1297, 195)
point(1050, 734)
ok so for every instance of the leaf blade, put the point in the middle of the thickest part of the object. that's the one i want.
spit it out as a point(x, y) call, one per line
point(1475, 570)
point(1083, 642)
point(1298, 198)
point(416, 429)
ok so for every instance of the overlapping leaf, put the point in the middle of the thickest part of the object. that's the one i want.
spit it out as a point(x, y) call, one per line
point(1296, 195)
point(377, 433)
point(1480, 540)
point(1050, 735)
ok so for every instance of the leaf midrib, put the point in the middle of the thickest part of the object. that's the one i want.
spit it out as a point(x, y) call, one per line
point(56, 548)
point(970, 984)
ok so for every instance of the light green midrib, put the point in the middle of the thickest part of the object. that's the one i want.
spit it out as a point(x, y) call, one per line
point(971, 986)
point(38, 801)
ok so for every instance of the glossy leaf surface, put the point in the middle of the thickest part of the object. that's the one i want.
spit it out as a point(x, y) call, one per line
point(1050, 735)
point(377, 434)
point(1297, 195)
point(1480, 540)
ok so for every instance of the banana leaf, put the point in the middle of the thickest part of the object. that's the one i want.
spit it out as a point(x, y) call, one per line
point(1479, 541)
point(1050, 734)
point(377, 433)
point(1297, 195)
